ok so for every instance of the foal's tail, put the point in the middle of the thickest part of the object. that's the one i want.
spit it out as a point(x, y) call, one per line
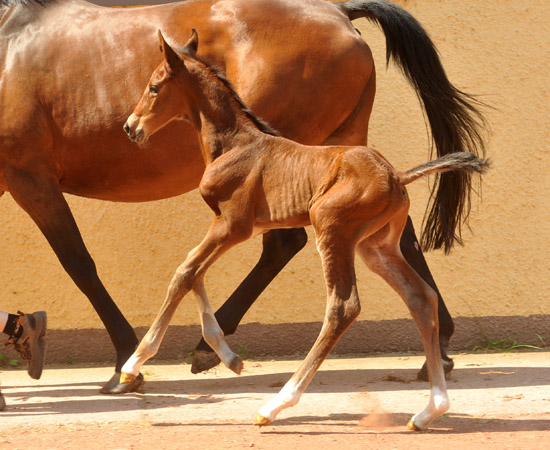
point(455, 120)
point(453, 162)
point(460, 163)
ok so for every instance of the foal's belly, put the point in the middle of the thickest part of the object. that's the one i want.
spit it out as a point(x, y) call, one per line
point(287, 212)
point(297, 221)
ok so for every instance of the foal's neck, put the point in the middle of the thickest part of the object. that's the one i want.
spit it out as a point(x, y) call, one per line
point(221, 119)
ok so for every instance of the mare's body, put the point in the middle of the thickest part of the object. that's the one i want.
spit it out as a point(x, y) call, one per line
point(254, 182)
point(66, 89)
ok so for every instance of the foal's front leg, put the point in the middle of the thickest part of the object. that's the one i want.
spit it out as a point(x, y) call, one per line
point(189, 276)
point(212, 332)
point(279, 247)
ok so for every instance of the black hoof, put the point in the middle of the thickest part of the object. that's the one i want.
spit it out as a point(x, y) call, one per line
point(114, 386)
point(448, 365)
point(203, 361)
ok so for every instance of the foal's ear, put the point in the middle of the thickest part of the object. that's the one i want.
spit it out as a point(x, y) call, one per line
point(172, 59)
point(193, 42)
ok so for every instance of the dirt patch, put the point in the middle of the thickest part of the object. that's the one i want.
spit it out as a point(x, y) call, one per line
point(498, 401)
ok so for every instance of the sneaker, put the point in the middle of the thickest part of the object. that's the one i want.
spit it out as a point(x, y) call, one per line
point(31, 344)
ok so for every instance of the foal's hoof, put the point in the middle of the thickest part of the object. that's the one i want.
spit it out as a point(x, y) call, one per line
point(116, 386)
point(448, 365)
point(203, 361)
point(411, 426)
point(236, 365)
point(261, 421)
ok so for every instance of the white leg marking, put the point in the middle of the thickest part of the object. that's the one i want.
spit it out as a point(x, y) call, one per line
point(438, 405)
point(288, 396)
point(132, 366)
point(211, 331)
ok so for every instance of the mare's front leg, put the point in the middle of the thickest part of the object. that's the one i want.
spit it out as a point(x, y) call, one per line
point(412, 252)
point(189, 276)
point(279, 247)
point(342, 309)
point(385, 259)
point(40, 196)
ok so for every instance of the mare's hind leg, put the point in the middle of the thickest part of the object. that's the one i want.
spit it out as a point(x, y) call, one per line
point(354, 132)
point(279, 247)
point(342, 309)
point(189, 276)
point(382, 256)
point(42, 199)
point(414, 256)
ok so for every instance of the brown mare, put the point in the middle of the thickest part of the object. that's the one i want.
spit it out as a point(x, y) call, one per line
point(66, 90)
point(256, 181)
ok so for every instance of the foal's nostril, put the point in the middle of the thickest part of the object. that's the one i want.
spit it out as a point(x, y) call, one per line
point(126, 128)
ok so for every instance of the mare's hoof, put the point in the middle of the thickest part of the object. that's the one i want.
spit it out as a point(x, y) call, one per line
point(448, 365)
point(261, 421)
point(203, 361)
point(236, 365)
point(115, 385)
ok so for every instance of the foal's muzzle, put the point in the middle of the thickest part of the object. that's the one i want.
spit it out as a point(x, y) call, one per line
point(132, 129)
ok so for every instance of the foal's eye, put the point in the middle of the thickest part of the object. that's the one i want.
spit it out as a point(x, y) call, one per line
point(153, 89)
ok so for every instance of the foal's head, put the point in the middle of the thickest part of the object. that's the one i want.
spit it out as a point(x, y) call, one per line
point(168, 94)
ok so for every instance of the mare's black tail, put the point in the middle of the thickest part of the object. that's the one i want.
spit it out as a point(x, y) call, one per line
point(454, 117)
point(463, 163)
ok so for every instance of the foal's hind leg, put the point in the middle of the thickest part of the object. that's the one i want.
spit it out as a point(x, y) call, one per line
point(354, 132)
point(188, 277)
point(385, 259)
point(342, 309)
point(413, 254)
point(40, 196)
point(279, 247)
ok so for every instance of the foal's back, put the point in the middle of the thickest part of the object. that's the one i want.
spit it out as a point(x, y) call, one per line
point(280, 181)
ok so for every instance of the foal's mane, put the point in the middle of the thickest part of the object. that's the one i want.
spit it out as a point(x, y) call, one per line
point(263, 126)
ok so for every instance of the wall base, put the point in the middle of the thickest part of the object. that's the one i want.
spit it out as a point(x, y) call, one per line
point(260, 341)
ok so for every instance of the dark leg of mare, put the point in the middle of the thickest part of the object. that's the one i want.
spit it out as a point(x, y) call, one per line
point(43, 200)
point(413, 254)
point(279, 247)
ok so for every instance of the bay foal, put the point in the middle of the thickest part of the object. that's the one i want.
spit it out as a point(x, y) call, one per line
point(256, 181)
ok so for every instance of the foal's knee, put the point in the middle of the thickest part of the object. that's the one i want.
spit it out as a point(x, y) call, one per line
point(182, 281)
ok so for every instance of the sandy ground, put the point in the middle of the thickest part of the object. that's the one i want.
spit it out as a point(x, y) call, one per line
point(498, 401)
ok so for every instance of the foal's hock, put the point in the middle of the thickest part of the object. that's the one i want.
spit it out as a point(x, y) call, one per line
point(256, 181)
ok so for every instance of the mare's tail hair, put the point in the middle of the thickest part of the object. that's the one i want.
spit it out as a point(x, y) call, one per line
point(455, 120)
point(460, 163)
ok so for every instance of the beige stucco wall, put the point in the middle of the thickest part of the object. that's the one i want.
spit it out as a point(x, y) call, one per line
point(498, 49)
